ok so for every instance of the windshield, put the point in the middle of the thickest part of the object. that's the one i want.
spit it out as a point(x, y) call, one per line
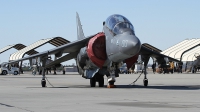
point(119, 24)
point(3, 64)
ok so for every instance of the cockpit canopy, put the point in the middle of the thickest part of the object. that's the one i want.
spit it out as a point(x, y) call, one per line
point(118, 24)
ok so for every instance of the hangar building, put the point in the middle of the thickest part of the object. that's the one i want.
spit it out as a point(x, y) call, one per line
point(55, 41)
point(187, 50)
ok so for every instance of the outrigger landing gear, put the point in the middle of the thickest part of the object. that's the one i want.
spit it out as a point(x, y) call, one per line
point(145, 81)
point(145, 59)
point(43, 81)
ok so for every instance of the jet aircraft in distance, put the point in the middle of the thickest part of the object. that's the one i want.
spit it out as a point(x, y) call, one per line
point(102, 53)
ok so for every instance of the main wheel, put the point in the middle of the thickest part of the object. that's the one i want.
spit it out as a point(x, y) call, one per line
point(92, 82)
point(101, 81)
point(43, 83)
point(145, 81)
point(4, 72)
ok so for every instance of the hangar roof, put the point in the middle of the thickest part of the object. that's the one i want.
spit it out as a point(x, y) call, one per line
point(56, 41)
point(187, 50)
point(18, 47)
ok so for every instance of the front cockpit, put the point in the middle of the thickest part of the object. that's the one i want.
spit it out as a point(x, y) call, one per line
point(118, 24)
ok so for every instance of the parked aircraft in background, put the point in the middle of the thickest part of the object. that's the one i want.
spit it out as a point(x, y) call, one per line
point(192, 66)
point(102, 53)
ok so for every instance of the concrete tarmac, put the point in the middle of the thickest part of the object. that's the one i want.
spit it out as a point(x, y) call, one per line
point(72, 93)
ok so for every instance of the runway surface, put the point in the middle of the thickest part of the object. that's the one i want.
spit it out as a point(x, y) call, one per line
point(72, 93)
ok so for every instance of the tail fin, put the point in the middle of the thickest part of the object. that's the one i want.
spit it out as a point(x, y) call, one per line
point(80, 34)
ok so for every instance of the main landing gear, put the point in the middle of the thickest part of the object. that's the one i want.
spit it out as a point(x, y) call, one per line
point(100, 79)
point(97, 78)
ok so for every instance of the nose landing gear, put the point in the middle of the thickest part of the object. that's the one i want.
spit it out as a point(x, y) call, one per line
point(111, 84)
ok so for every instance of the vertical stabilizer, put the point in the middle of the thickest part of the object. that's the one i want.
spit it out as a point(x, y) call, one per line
point(80, 34)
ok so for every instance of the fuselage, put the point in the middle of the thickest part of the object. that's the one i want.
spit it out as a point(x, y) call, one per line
point(106, 50)
point(121, 42)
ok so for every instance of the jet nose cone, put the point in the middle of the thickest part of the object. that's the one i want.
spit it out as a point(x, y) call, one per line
point(132, 46)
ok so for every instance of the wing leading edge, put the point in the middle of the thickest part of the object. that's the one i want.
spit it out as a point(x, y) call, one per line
point(72, 47)
point(158, 56)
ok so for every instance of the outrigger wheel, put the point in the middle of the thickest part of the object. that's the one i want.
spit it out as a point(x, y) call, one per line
point(145, 81)
point(43, 82)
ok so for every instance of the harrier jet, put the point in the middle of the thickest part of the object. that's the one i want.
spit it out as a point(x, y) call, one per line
point(102, 53)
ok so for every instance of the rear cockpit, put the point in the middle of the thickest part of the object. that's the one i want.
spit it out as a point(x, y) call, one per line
point(118, 24)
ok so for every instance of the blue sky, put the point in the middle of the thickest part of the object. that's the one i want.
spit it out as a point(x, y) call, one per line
point(161, 23)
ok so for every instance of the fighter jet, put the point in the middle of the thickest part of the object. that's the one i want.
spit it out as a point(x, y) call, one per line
point(102, 53)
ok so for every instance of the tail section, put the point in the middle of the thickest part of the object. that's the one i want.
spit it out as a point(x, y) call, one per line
point(80, 34)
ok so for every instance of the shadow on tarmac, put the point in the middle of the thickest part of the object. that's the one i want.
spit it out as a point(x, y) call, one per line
point(163, 87)
point(149, 104)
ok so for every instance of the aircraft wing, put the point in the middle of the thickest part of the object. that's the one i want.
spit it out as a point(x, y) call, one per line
point(72, 47)
point(157, 55)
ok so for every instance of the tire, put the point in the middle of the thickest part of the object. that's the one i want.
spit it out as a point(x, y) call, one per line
point(4, 72)
point(43, 83)
point(145, 81)
point(101, 81)
point(15, 72)
point(92, 82)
